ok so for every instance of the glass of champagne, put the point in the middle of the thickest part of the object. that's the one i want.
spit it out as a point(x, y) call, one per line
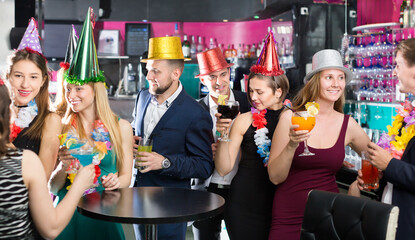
point(144, 145)
point(305, 122)
point(228, 110)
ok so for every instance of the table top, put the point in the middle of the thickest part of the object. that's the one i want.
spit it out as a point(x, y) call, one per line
point(151, 205)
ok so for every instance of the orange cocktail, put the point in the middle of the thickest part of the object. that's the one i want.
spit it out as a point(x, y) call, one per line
point(305, 123)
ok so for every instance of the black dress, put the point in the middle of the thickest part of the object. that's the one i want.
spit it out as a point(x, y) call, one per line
point(24, 142)
point(249, 207)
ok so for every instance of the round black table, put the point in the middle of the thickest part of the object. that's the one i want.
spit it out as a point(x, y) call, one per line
point(151, 206)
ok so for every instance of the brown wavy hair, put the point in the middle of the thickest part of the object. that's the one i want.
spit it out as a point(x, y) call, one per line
point(42, 98)
point(4, 118)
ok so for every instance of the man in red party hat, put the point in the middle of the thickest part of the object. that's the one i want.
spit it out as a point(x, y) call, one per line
point(215, 75)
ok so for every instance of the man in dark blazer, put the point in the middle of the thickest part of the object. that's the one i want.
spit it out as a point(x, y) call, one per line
point(179, 127)
point(215, 75)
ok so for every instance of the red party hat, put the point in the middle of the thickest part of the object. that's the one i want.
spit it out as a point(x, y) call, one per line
point(268, 63)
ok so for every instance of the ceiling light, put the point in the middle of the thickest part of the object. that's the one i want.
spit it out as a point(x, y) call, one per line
point(225, 20)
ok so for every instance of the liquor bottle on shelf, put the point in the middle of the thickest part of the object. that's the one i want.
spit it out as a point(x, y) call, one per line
point(200, 46)
point(406, 14)
point(186, 47)
point(220, 46)
point(412, 15)
point(240, 51)
point(252, 51)
point(193, 49)
point(233, 50)
point(176, 30)
point(228, 52)
point(246, 51)
point(401, 12)
point(212, 43)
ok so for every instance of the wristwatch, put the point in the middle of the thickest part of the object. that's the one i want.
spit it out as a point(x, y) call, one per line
point(165, 163)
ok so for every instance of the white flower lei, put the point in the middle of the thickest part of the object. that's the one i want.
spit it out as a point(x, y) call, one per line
point(26, 115)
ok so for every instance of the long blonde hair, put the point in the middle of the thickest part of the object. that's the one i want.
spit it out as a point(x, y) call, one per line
point(103, 113)
point(311, 92)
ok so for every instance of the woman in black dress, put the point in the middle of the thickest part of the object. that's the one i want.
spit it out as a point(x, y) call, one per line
point(34, 126)
point(249, 207)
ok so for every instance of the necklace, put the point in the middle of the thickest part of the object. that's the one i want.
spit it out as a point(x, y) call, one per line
point(24, 118)
point(261, 139)
point(401, 131)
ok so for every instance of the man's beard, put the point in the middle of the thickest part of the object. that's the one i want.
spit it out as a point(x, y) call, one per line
point(160, 90)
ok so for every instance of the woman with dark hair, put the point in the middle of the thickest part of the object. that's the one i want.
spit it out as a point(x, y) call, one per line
point(29, 79)
point(25, 202)
point(395, 153)
point(296, 175)
point(249, 204)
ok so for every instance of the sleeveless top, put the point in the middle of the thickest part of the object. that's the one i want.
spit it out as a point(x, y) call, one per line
point(15, 219)
point(306, 173)
point(23, 141)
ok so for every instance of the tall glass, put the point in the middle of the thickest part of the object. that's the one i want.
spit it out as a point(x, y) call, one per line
point(144, 145)
point(305, 122)
point(229, 110)
point(370, 174)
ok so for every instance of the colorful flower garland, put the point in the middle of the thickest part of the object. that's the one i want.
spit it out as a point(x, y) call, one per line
point(401, 131)
point(261, 139)
point(24, 118)
point(102, 142)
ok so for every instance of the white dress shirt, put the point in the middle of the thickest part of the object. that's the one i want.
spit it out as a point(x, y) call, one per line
point(216, 178)
point(155, 111)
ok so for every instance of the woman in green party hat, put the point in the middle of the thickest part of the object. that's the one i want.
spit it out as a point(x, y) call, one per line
point(89, 117)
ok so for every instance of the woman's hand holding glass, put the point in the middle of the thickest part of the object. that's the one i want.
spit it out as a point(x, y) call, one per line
point(69, 163)
point(297, 136)
point(85, 177)
point(223, 125)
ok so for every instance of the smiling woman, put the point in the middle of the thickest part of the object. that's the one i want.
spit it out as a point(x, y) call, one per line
point(295, 174)
point(29, 81)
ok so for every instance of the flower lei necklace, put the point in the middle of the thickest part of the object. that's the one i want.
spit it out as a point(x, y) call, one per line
point(24, 118)
point(261, 139)
point(102, 143)
point(401, 131)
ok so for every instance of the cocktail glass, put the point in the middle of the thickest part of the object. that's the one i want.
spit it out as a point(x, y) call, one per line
point(305, 122)
point(85, 154)
point(228, 110)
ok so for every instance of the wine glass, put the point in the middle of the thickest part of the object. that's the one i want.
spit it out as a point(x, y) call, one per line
point(305, 122)
point(228, 110)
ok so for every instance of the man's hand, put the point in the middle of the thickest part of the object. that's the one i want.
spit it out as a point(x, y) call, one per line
point(151, 161)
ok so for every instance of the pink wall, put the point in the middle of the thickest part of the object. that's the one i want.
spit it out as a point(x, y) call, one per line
point(377, 11)
point(247, 32)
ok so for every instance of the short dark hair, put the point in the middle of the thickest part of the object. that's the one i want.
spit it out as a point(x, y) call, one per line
point(176, 63)
point(407, 48)
point(274, 82)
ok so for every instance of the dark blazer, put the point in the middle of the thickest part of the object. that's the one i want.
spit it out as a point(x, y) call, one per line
point(241, 97)
point(401, 173)
point(183, 135)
